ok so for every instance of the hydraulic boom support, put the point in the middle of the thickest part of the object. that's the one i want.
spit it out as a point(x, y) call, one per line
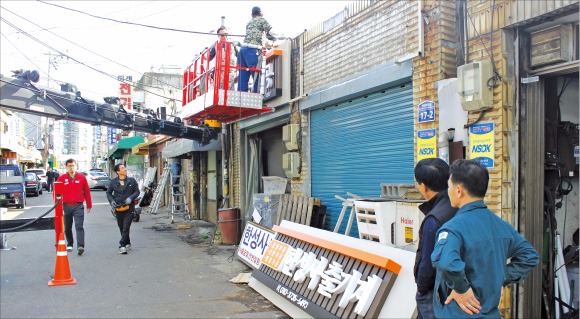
point(19, 94)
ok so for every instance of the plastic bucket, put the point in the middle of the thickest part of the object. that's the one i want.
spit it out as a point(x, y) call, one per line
point(229, 221)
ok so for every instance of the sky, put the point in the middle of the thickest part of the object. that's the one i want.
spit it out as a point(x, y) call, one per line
point(90, 52)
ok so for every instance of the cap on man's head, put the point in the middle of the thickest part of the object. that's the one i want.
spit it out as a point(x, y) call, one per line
point(256, 10)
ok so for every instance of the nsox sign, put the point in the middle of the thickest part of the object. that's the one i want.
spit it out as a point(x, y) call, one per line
point(481, 148)
point(426, 143)
point(481, 141)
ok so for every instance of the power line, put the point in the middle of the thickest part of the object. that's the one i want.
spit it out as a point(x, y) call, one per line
point(104, 57)
point(137, 24)
point(21, 52)
point(68, 56)
point(33, 63)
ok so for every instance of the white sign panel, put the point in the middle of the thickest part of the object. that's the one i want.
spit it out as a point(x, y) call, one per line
point(254, 241)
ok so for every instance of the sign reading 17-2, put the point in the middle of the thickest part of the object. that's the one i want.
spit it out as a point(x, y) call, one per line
point(426, 111)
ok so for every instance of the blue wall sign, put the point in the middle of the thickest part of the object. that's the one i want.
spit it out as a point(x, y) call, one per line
point(426, 112)
point(111, 135)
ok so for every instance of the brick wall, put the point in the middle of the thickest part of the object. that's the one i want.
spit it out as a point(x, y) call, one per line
point(439, 62)
point(439, 59)
point(364, 38)
point(480, 47)
point(483, 21)
point(366, 34)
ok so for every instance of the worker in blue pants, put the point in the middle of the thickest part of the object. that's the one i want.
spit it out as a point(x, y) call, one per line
point(175, 171)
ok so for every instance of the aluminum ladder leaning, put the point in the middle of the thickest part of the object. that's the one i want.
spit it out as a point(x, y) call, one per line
point(158, 193)
point(179, 205)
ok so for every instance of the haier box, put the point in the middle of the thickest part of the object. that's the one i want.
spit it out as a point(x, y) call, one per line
point(392, 223)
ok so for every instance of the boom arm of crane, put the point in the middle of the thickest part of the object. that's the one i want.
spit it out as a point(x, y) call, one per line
point(19, 94)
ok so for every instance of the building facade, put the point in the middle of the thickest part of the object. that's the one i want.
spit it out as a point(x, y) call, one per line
point(383, 84)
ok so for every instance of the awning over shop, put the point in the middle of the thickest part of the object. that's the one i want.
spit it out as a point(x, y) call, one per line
point(181, 147)
point(30, 156)
point(117, 150)
point(8, 142)
point(143, 148)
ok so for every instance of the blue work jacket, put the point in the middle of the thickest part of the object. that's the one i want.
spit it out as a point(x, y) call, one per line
point(471, 251)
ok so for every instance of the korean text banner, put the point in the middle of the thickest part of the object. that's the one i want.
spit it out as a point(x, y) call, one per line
point(426, 143)
point(254, 242)
point(482, 144)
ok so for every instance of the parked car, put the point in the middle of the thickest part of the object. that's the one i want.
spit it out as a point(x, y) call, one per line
point(97, 180)
point(33, 184)
point(41, 172)
point(12, 190)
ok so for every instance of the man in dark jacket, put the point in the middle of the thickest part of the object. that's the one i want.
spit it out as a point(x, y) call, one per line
point(121, 194)
point(431, 175)
point(49, 180)
point(51, 177)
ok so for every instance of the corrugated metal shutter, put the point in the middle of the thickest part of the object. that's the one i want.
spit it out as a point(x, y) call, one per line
point(359, 144)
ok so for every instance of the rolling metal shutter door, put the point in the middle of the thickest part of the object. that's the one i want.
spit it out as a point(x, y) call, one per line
point(359, 144)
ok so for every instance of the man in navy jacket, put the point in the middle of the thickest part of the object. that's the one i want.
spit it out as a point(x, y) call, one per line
point(431, 175)
point(123, 191)
point(472, 250)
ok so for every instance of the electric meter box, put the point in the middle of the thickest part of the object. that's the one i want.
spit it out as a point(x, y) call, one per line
point(391, 223)
point(291, 164)
point(472, 86)
point(290, 136)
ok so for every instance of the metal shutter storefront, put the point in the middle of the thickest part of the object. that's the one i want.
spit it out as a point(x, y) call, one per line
point(359, 144)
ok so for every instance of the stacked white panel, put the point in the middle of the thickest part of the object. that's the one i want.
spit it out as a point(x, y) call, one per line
point(391, 223)
point(373, 220)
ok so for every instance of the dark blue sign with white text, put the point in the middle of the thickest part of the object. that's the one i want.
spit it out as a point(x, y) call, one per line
point(426, 112)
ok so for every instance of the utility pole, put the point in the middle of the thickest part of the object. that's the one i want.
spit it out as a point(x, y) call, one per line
point(52, 62)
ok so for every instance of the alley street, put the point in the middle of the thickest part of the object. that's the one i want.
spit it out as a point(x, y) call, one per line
point(169, 273)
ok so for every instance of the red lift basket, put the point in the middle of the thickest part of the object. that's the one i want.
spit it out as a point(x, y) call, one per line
point(207, 94)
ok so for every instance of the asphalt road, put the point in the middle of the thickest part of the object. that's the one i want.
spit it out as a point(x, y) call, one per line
point(169, 273)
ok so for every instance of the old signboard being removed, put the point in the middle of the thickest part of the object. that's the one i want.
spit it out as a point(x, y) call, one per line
point(309, 272)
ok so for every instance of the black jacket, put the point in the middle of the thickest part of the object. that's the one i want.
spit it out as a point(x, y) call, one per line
point(118, 193)
point(50, 177)
point(437, 208)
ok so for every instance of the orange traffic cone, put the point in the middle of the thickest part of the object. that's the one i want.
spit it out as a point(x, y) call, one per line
point(62, 274)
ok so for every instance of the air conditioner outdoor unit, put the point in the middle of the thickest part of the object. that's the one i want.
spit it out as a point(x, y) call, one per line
point(290, 136)
point(391, 223)
point(291, 164)
point(552, 45)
